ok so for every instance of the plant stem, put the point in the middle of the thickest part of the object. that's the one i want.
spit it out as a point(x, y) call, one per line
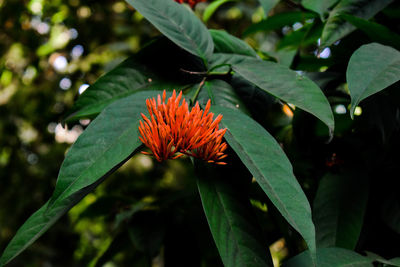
point(196, 94)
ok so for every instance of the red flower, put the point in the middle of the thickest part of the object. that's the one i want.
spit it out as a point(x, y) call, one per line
point(172, 128)
point(192, 3)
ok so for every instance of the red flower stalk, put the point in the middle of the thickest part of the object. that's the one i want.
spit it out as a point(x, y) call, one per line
point(192, 3)
point(172, 128)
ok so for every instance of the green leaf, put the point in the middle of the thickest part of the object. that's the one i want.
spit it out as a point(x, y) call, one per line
point(337, 28)
point(123, 80)
point(40, 221)
point(319, 6)
point(110, 138)
point(278, 21)
point(105, 144)
point(226, 43)
point(283, 83)
point(267, 162)
point(376, 32)
point(178, 23)
point(267, 5)
point(235, 232)
point(339, 208)
point(372, 68)
point(104, 92)
point(211, 8)
point(222, 94)
point(133, 75)
point(330, 257)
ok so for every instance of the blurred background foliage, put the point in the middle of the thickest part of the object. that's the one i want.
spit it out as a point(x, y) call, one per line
point(149, 213)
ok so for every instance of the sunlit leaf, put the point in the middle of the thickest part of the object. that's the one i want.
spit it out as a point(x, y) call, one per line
point(267, 162)
point(211, 8)
point(337, 27)
point(372, 68)
point(177, 23)
point(228, 212)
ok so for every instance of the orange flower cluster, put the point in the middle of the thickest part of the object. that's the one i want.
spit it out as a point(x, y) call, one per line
point(171, 128)
point(192, 3)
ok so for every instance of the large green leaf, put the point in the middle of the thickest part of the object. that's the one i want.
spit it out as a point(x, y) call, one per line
point(107, 141)
point(236, 233)
point(319, 6)
point(152, 63)
point(376, 32)
point(336, 27)
point(226, 43)
point(330, 257)
point(339, 209)
point(177, 23)
point(267, 162)
point(267, 5)
point(372, 68)
point(278, 21)
point(283, 83)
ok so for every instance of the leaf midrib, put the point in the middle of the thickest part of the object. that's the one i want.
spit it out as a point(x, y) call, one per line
point(90, 166)
point(194, 45)
point(267, 183)
point(229, 221)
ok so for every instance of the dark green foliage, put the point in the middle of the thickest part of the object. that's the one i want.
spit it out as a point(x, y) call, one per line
point(311, 111)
